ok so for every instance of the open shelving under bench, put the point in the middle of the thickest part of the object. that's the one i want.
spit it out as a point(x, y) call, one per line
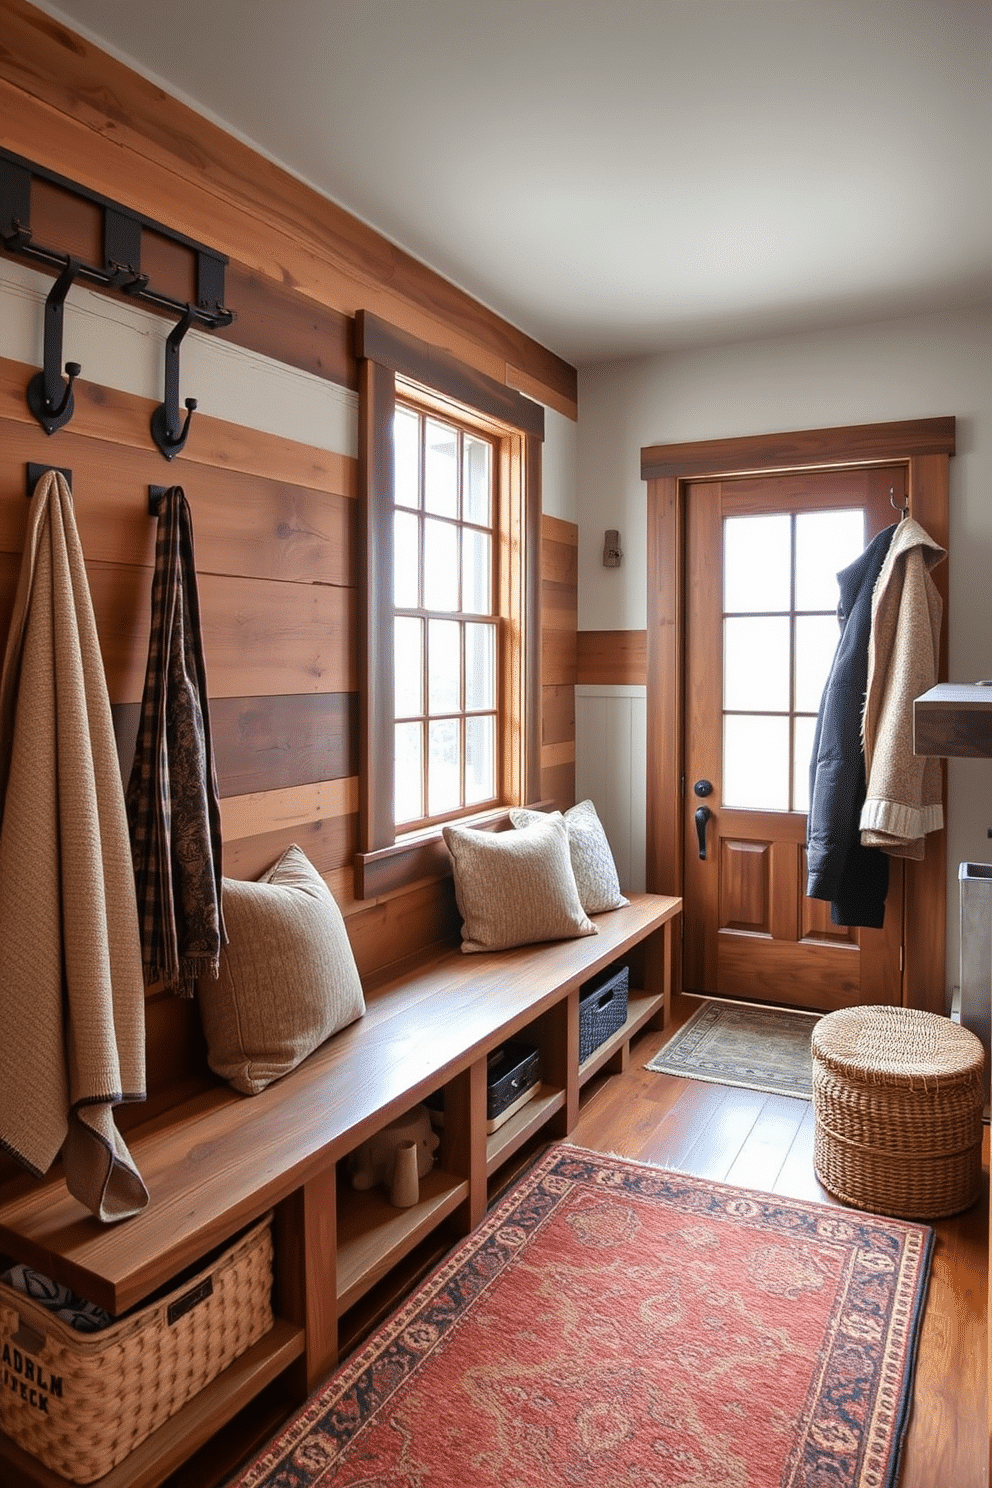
point(219, 1161)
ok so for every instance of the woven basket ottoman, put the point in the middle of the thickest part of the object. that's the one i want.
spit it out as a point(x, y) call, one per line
point(898, 1096)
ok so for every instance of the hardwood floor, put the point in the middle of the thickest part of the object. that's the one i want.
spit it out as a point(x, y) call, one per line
point(766, 1142)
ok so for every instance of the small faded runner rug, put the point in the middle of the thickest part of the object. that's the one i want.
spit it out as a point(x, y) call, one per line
point(739, 1043)
point(614, 1324)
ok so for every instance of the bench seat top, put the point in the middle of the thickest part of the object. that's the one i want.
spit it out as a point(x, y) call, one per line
point(221, 1159)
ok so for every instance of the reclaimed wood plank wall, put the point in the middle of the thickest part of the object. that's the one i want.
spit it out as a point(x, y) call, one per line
point(275, 516)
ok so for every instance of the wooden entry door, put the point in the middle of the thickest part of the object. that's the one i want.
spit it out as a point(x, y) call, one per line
point(762, 555)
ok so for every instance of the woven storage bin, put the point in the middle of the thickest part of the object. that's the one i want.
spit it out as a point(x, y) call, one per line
point(602, 1008)
point(80, 1402)
point(898, 1096)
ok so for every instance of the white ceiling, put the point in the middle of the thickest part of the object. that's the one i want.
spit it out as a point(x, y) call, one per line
point(622, 177)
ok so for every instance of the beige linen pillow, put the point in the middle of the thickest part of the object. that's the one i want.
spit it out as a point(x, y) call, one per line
point(288, 978)
point(514, 888)
point(592, 861)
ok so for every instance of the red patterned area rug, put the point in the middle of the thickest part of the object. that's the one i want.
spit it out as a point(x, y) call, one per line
point(624, 1326)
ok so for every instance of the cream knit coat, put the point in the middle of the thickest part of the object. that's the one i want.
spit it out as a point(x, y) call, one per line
point(903, 799)
point(73, 1040)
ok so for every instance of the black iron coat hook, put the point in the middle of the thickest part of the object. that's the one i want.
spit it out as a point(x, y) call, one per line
point(49, 398)
point(166, 432)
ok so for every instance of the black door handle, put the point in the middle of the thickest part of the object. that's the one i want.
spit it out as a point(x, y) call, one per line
point(702, 816)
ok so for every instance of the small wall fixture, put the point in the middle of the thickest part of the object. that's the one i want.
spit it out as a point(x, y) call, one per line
point(612, 554)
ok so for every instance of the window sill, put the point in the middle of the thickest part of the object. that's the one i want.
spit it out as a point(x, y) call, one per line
point(421, 856)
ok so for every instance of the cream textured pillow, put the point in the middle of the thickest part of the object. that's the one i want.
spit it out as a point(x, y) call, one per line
point(592, 861)
point(513, 888)
point(288, 978)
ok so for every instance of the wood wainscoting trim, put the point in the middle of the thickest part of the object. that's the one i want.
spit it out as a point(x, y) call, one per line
point(613, 658)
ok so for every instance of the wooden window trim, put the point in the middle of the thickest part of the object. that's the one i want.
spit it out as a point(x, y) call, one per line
point(384, 354)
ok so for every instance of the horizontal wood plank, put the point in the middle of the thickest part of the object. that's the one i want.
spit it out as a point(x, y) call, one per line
point(557, 714)
point(555, 755)
point(271, 743)
point(122, 419)
point(612, 657)
point(559, 664)
point(296, 637)
point(558, 785)
point(292, 807)
point(559, 608)
point(244, 524)
point(559, 564)
point(288, 326)
point(329, 842)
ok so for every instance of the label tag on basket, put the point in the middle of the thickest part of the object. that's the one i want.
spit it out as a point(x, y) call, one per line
point(184, 1304)
point(27, 1339)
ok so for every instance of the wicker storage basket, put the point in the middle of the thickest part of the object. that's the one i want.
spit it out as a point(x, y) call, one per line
point(898, 1096)
point(602, 1008)
point(80, 1402)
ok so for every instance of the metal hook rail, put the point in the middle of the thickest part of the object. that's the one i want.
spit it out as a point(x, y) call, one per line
point(122, 235)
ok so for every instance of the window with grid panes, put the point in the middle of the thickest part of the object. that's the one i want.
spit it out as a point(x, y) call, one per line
point(449, 633)
point(445, 620)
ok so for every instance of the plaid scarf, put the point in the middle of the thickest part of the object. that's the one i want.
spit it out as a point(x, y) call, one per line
point(172, 800)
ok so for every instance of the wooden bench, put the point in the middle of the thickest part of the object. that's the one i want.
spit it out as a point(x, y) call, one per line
point(220, 1160)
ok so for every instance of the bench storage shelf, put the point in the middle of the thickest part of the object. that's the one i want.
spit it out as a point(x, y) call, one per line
point(218, 1161)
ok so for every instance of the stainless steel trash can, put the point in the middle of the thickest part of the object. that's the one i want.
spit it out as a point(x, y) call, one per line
point(975, 892)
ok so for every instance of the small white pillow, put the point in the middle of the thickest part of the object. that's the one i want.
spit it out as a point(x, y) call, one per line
point(288, 978)
point(514, 888)
point(592, 861)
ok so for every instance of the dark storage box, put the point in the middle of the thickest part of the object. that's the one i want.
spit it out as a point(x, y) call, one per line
point(512, 1071)
point(513, 1075)
point(602, 1008)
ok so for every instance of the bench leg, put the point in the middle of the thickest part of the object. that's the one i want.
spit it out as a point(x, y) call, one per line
point(463, 1141)
point(658, 972)
point(306, 1274)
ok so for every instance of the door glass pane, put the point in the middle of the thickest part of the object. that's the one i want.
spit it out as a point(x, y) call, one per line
point(480, 759)
point(406, 455)
point(441, 468)
point(816, 643)
point(477, 481)
point(826, 542)
point(440, 566)
point(444, 666)
point(755, 763)
point(756, 664)
point(408, 666)
point(476, 571)
point(408, 772)
point(406, 560)
point(805, 729)
point(445, 766)
point(480, 667)
point(757, 563)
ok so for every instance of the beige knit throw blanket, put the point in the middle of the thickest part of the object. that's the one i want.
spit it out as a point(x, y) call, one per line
point(73, 1041)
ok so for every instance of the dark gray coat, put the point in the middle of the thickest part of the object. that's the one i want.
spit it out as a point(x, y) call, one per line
point(854, 878)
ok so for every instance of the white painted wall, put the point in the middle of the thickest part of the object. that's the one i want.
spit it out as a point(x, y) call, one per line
point(919, 367)
point(119, 345)
point(559, 468)
point(611, 771)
